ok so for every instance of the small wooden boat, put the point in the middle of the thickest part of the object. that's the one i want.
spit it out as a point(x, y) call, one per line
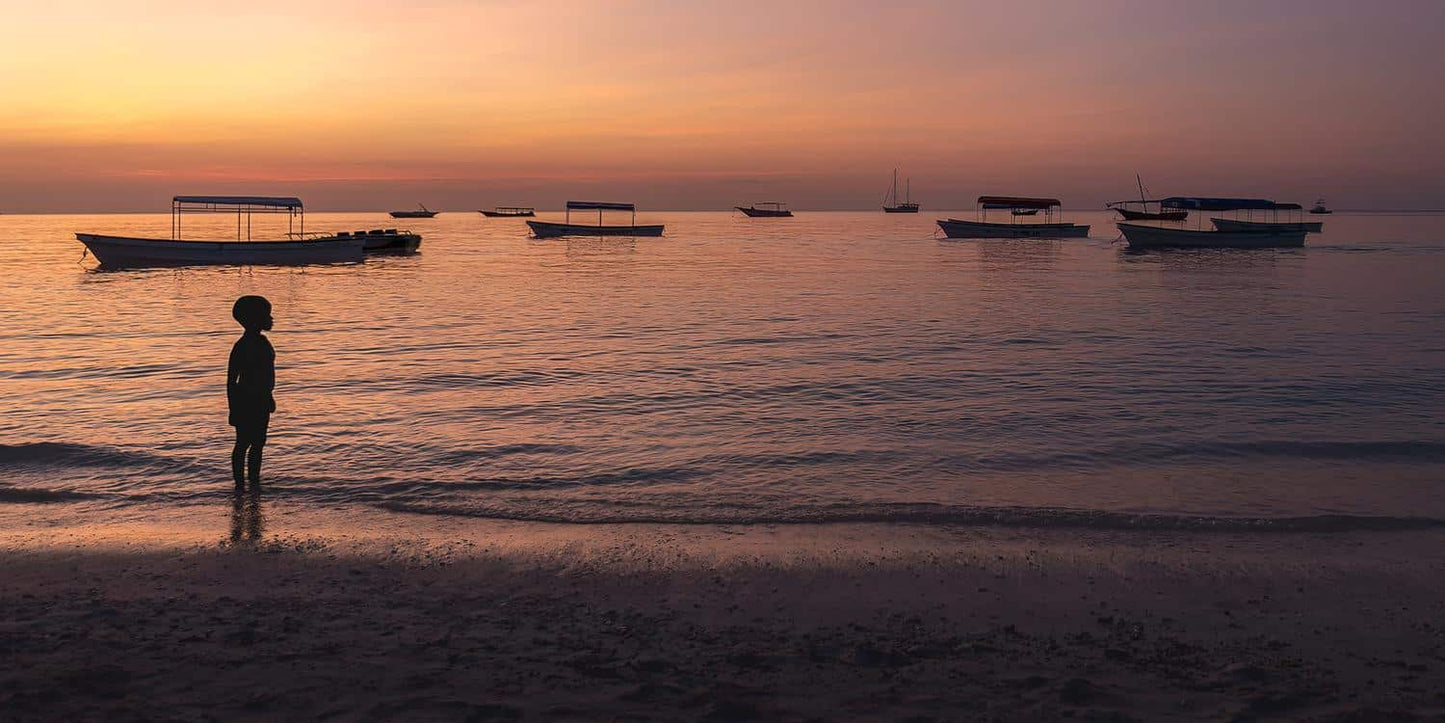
point(1319, 209)
point(891, 203)
point(298, 247)
point(1142, 213)
point(510, 212)
point(982, 228)
point(766, 209)
point(388, 240)
point(1239, 234)
point(423, 212)
point(551, 229)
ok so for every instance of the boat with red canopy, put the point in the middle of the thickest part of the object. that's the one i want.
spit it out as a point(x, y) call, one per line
point(1019, 207)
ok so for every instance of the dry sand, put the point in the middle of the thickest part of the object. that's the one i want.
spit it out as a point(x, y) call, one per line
point(428, 619)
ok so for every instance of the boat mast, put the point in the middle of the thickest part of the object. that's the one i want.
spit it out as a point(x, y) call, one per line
point(1140, 181)
point(908, 192)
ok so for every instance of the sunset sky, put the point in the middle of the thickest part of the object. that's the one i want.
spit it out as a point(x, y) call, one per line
point(356, 105)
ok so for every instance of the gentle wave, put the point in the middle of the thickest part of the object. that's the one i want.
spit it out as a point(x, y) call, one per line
point(67, 454)
point(940, 516)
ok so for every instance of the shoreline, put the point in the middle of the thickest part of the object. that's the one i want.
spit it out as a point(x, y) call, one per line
point(348, 616)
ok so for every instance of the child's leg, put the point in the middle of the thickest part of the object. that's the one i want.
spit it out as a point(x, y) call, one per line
point(238, 455)
point(258, 443)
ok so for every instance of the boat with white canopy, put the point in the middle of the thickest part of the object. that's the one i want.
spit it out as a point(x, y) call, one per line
point(1233, 233)
point(1019, 208)
point(298, 246)
point(552, 229)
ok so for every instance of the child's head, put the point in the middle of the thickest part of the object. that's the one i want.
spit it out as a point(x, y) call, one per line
point(253, 313)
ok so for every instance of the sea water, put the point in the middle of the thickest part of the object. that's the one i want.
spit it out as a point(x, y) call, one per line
point(826, 367)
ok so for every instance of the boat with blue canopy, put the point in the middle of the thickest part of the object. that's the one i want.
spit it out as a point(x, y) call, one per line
point(1226, 232)
point(298, 247)
point(552, 229)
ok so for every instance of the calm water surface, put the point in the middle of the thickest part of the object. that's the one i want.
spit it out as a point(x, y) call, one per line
point(833, 366)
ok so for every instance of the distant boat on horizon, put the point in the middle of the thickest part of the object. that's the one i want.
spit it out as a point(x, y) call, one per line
point(890, 201)
point(766, 209)
point(1319, 208)
point(423, 213)
point(510, 212)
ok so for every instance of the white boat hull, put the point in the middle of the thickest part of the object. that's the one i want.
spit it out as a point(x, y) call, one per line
point(1140, 236)
point(1226, 224)
point(957, 228)
point(548, 229)
point(119, 251)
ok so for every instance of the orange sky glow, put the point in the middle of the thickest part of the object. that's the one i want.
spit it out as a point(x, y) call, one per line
point(361, 105)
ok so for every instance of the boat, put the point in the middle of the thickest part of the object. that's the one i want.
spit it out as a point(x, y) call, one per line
point(510, 212)
point(423, 212)
point(1230, 224)
point(1319, 208)
point(1247, 234)
point(890, 201)
point(551, 229)
point(982, 228)
point(1142, 213)
point(299, 247)
point(766, 209)
point(385, 239)
point(1024, 212)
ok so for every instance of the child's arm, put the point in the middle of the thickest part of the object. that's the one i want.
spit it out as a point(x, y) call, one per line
point(233, 374)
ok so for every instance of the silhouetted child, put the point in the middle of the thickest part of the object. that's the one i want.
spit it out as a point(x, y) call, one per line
point(250, 378)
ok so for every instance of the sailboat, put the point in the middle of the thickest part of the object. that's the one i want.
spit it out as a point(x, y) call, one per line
point(890, 202)
point(1143, 213)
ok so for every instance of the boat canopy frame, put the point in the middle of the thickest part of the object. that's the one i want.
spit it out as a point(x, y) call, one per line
point(599, 207)
point(243, 206)
point(1240, 208)
point(1016, 203)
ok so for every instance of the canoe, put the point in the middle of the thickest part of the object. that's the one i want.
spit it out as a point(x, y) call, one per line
point(122, 251)
point(509, 213)
point(1226, 224)
point(414, 214)
point(1149, 237)
point(548, 229)
point(957, 228)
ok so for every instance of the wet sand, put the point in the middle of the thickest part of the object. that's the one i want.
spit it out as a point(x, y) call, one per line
point(474, 621)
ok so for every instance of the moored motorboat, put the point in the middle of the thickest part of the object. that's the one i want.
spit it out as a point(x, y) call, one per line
point(422, 212)
point(1235, 234)
point(1231, 224)
point(1143, 236)
point(982, 228)
point(510, 212)
point(552, 229)
point(1319, 209)
point(766, 209)
point(298, 247)
point(387, 239)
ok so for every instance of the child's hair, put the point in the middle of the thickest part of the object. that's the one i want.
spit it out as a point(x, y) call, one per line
point(251, 311)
